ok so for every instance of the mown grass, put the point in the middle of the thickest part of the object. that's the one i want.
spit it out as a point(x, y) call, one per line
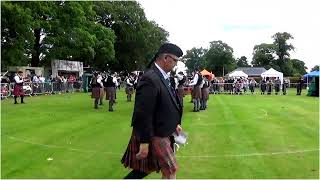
point(248, 136)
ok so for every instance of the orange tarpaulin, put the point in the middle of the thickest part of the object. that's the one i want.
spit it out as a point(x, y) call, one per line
point(207, 73)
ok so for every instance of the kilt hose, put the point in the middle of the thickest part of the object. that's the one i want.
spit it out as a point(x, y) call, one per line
point(160, 156)
point(18, 90)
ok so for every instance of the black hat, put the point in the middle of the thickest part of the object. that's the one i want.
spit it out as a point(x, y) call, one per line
point(171, 49)
point(167, 48)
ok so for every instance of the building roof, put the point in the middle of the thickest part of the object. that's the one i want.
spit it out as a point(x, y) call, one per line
point(251, 71)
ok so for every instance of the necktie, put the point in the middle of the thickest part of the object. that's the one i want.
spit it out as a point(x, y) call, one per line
point(170, 87)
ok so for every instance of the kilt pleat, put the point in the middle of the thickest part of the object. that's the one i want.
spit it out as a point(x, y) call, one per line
point(205, 93)
point(147, 165)
point(18, 90)
point(196, 92)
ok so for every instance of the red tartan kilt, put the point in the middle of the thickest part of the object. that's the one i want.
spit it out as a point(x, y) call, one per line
point(160, 156)
point(18, 90)
point(129, 159)
point(162, 148)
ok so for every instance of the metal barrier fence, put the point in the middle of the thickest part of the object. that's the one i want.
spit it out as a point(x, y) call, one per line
point(31, 89)
point(34, 89)
point(236, 87)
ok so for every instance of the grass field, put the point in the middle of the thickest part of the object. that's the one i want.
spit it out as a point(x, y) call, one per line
point(249, 136)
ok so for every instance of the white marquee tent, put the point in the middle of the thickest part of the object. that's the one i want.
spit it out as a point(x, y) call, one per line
point(273, 73)
point(238, 74)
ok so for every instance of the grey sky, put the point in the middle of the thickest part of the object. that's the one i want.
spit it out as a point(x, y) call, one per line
point(239, 23)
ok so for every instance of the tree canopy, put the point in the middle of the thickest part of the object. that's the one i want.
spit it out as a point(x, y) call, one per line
point(114, 35)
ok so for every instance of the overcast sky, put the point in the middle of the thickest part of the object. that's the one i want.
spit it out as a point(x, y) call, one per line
point(240, 23)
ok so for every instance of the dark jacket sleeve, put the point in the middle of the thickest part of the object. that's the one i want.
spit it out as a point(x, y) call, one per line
point(144, 110)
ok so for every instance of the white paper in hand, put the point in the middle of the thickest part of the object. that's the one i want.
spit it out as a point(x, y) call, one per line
point(181, 138)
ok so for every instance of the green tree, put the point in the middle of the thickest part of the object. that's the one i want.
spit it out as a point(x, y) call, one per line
point(242, 62)
point(104, 52)
point(42, 15)
point(16, 37)
point(70, 37)
point(299, 67)
point(282, 49)
point(315, 68)
point(219, 58)
point(137, 38)
point(194, 59)
point(263, 56)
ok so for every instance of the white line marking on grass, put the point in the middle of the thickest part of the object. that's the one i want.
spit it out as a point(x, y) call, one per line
point(251, 154)
point(214, 124)
point(180, 156)
point(60, 147)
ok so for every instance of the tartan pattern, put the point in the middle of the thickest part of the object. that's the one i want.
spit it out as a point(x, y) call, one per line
point(160, 156)
point(129, 159)
point(18, 90)
point(163, 152)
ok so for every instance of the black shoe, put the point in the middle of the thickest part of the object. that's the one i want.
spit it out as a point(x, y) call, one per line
point(111, 110)
point(15, 103)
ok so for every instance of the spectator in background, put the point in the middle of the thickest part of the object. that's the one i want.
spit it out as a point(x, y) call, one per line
point(299, 86)
point(42, 83)
point(59, 83)
point(71, 81)
point(35, 84)
point(284, 86)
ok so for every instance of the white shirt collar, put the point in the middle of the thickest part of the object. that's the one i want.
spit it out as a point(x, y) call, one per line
point(164, 74)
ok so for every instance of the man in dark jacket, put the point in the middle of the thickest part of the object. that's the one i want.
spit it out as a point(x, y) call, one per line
point(299, 86)
point(156, 117)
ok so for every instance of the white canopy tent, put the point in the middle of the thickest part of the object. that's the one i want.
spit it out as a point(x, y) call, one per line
point(238, 74)
point(273, 73)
